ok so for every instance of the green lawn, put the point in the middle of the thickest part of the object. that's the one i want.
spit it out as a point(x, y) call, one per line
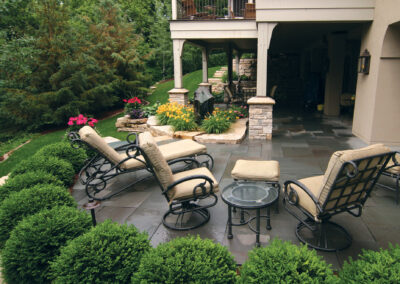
point(106, 127)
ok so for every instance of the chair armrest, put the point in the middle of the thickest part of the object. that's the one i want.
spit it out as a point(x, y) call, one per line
point(185, 159)
point(304, 188)
point(202, 184)
point(128, 138)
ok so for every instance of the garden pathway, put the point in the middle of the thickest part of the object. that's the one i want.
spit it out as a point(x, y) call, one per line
point(303, 146)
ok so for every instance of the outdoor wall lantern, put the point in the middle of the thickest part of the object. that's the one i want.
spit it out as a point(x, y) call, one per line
point(364, 62)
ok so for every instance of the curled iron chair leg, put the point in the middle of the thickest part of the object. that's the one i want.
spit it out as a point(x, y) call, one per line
point(325, 236)
point(201, 214)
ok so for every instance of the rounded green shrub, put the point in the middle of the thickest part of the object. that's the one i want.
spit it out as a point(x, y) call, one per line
point(109, 253)
point(37, 240)
point(187, 260)
point(64, 151)
point(284, 262)
point(373, 267)
point(63, 170)
point(26, 180)
point(28, 202)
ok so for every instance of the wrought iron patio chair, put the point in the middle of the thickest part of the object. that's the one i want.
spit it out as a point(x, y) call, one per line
point(189, 193)
point(392, 170)
point(108, 163)
point(345, 187)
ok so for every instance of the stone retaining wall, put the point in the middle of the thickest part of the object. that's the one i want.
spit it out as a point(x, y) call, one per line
point(131, 125)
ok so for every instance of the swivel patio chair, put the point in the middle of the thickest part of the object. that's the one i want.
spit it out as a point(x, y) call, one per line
point(108, 163)
point(345, 187)
point(188, 193)
point(392, 170)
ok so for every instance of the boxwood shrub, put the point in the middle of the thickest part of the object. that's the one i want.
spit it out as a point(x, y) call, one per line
point(26, 180)
point(284, 262)
point(63, 170)
point(63, 150)
point(30, 201)
point(109, 253)
point(187, 260)
point(373, 267)
point(37, 240)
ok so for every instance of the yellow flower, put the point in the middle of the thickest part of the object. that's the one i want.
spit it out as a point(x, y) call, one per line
point(237, 117)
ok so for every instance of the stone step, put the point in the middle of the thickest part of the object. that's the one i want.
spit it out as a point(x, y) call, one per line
point(219, 75)
point(224, 68)
point(214, 80)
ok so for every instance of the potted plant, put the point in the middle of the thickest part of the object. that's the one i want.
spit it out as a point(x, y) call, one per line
point(133, 109)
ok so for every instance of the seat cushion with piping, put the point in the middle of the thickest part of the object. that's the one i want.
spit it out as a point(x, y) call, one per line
point(396, 169)
point(157, 160)
point(256, 170)
point(314, 185)
point(182, 148)
point(185, 189)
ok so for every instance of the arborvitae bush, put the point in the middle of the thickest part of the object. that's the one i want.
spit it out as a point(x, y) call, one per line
point(373, 267)
point(28, 202)
point(37, 240)
point(187, 260)
point(284, 262)
point(109, 253)
point(63, 170)
point(26, 180)
point(65, 151)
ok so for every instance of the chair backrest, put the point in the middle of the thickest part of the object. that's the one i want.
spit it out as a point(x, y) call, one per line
point(351, 175)
point(90, 136)
point(155, 160)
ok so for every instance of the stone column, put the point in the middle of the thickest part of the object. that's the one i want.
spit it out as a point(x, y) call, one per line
point(264, 39)
point(178, 94)
point(260, 117)
point(334, 77)
point(204, 83)
point(237, 61)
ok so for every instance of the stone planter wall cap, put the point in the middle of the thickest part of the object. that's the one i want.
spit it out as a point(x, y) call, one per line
point(204, 84)
point(178, 91)
point(261, 100)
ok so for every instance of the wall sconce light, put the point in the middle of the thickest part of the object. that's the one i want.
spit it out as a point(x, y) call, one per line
point(364, 61)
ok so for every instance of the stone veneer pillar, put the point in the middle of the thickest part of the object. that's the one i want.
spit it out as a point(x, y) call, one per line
point(179, 95)
point(260, 117)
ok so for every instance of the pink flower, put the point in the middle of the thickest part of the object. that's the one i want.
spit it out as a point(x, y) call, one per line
point(84, 120)
point(70, 122)
point(94, 120)
point(80, 122)
point(91, 124)
point(125, 101)
point(80, 116)
point(73, 118)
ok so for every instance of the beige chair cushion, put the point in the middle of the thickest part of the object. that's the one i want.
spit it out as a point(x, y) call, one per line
point(256, 170)
point(395, 170)
point(90, 136)
point(313, 184)
point(185, 189)
point(336, 162)
point(182, 148)
point(160, 165)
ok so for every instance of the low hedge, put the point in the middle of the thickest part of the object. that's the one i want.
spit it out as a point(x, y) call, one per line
point(30, 201)
point(187, 260)
point(284, 262)
point(37, 240)
point(62, 169)
point(109, 253)
point(26, 180)
point(373, 267)
point(64, 151)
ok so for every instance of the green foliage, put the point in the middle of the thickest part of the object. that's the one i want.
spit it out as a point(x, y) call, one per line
point(62, 169)
point(28, 202)
point(240, 111)
point(151, 109)
point(216, 124)
point(109, 253)
point(27, 180)
point(225, 77)
point(283, 262)
point(373, 267)
point(187, 260)
point(64, 151)
point(218, 97)
point(37, 240)
point(13, 142)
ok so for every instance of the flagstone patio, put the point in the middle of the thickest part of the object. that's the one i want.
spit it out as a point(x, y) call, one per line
point(303, 146)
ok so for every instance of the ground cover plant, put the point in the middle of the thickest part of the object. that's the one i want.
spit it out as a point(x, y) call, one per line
point(28, 202)
point(108, 253)
point(284, 262)
point(187, 260)
point(381, 266)
point(27, 180)
point(180, 117)
point(37, 239)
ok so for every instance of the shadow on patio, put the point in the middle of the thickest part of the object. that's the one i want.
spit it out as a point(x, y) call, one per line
point(303, 146)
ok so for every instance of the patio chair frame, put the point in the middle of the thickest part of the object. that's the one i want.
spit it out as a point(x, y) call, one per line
point(98, 170)
point(342, 181)
point(395, 176)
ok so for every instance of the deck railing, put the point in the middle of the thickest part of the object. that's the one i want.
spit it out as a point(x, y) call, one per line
point(215, 9)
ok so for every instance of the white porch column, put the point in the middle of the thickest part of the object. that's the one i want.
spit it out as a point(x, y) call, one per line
point(334, 77)
point(204, 54)
point(174, 10)
point(178, 94)
point(237, 59)
point(264, 38)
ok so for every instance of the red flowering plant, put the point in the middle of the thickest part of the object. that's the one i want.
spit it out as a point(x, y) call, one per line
point(133, 108)
point(76, 123)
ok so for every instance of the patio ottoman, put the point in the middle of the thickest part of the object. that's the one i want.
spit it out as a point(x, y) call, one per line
point(267, 171)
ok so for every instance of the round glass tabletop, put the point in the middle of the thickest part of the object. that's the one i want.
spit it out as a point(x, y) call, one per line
point(249, 194)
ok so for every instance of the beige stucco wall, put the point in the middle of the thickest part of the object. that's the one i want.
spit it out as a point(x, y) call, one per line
point(376, 115)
